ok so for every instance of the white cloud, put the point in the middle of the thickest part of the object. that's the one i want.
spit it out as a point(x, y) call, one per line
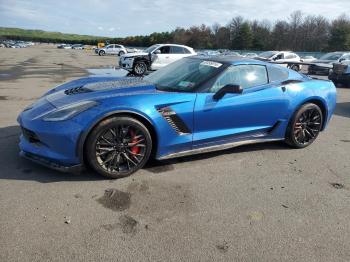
point(134, 17)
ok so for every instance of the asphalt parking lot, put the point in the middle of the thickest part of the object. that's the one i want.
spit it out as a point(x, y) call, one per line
point(263, 202)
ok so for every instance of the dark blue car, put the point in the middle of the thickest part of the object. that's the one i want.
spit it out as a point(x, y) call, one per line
point(195, 105)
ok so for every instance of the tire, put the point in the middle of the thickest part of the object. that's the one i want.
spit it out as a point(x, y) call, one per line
point(304, 126)
point(295, 68)
point(101, 53)
point(111, 149)
point(140, 68)
point(121, 53)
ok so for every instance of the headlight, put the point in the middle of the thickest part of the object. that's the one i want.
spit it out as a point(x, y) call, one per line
point(69, 111)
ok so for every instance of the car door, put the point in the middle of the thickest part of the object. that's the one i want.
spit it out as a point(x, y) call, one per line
point(109, 49)
point(114, 50)
point(160, 57)
point(176, 53)
point(117, 49)
point(253, 113)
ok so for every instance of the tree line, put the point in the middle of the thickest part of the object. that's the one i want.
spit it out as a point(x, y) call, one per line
point(298, 32)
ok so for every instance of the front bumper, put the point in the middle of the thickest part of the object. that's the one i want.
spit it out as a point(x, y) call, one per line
point(53, 144)
point(317, 70)
point(50, 164)
point(126, 64)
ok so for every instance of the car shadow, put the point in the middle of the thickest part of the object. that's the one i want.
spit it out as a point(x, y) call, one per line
point(14, 167)
point(342, 109)
point(156, 166)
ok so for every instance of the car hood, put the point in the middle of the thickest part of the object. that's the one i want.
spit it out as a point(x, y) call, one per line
point(135, 54)
point(97, 88)
point(324, 61)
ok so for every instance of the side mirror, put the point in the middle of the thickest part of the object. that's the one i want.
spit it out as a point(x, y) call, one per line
point(341, 60)
point(157, 52)
point(227, 89)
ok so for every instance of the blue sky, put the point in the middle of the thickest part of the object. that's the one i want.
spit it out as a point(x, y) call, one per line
point(119, 18)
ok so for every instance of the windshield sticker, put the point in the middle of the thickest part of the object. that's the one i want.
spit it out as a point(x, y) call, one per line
point(185, 84)
point(211, 63)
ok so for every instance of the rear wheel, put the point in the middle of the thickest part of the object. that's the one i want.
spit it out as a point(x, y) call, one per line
point(118, 147)
point(305, 126)
point(140, 68)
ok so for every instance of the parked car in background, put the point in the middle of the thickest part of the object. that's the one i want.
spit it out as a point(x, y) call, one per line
point(64, 46)
point(329, 58)
point(340, 74)
point(78, 46)
point(112, 49)
point(133, 50)
point(251, 55)
point(308, 58)
point(212, 53)
point(154, 57)
point(230, 53)
point(282, 57)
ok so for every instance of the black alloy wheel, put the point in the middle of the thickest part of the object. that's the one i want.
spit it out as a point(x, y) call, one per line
point(305, 126)
point(118, 147)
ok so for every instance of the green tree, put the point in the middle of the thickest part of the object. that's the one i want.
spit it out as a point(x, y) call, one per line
point(244, 38)
point(340, 34)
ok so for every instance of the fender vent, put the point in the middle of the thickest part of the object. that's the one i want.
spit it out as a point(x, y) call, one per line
point(174, 121)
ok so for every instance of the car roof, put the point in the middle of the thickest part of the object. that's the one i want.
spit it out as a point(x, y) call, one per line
point(174, 45)
point(227, 59)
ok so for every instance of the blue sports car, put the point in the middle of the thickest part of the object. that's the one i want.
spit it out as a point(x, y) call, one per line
point(195, 105)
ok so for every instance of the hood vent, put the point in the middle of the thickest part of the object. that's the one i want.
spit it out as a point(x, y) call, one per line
point(76, 90)
point(122, 83)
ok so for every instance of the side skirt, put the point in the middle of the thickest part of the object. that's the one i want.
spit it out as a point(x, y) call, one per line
point(217, 147)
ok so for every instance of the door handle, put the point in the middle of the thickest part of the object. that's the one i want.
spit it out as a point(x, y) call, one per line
point(284, 89)
point(167, 57)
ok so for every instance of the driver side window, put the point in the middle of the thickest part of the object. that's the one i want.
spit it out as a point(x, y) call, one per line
point(164, 50)
point(245, 76)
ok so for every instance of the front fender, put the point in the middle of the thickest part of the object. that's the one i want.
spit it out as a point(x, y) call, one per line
point(100, 117)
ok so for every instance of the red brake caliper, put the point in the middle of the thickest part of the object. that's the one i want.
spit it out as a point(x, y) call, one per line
point(134, 149)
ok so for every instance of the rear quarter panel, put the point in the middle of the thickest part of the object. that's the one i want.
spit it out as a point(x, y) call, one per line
point(313, 90)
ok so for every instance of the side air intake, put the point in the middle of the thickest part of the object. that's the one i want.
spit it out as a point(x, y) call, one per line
point(174, 121)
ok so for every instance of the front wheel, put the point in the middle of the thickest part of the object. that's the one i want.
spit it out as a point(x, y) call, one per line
point(295, 68)
point(121, 53)
point(101, 53)
point(140, 68)
point(118, 147)
point(305, 126)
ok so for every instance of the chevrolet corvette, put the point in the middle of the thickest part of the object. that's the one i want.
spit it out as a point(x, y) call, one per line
point(114, 125)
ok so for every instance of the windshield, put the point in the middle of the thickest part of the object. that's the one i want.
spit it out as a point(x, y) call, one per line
point(151, 48)
point(184, 75)
point(331, 56)
point(268, 54)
